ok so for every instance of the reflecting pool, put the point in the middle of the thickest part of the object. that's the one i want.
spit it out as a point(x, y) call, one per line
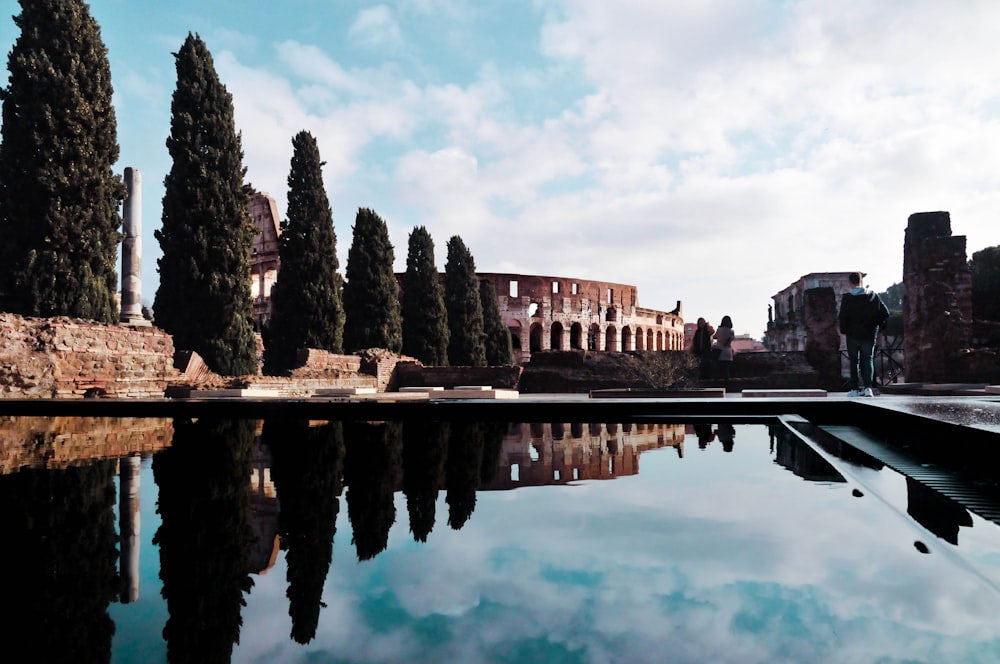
point(299, 541)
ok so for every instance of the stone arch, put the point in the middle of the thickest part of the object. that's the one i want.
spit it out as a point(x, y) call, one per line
point(659, 340)
point(611, 315)
point(576, 339)
point(650, 340)
point(594, 337)
point(515, 334)
point(556, 335)
point(535, 337)
point(627, 339)
point(611, 338)
point(640, 339)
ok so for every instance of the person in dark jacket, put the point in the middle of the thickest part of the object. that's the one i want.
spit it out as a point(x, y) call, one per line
point(701, 347)
point(862, 313)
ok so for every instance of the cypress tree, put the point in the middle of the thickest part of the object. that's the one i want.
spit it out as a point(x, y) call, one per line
point(499, 348)
point(467, 343)
point(371, 300)
point(425, 321)
point(59, 198)
point(306, 306)
point(206, 235)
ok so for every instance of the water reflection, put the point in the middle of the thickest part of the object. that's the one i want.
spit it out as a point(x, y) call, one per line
point(734, 546)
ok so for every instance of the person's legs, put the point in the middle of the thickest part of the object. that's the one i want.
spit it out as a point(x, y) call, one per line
point(853, 351)
point(867, 365)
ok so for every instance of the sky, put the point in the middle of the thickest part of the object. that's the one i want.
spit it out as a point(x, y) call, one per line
point(707, 151)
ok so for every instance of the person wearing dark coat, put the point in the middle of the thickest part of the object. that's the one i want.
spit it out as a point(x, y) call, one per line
point(701, 347)
point(862, 313)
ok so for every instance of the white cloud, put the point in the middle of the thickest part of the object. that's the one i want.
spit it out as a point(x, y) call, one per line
point(376, 27)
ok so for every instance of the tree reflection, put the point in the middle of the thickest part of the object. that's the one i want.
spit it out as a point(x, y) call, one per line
point(465, 459)
point(425, 447)
point(306, 466)
point(493, 437)
point(205, 536)
point(60, 558)
point(371, 472)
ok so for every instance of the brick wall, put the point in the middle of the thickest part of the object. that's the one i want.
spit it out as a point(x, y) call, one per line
point(73, 358)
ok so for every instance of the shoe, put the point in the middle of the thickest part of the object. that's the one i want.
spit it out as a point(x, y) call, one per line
point(868, 392)
point(854, 393)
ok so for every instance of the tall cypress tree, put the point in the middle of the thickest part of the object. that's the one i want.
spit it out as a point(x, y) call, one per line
point(206, 236)
point(306, 306)
point(59, 198)
point(499, 348)
point(467, 342)
point(425, 321)
point(371, 301)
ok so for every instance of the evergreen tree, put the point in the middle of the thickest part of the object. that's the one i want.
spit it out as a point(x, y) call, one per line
point(206, 236)
point(467, 343)
point(425, 321)
point(499, 348)
point(306, 307)
point(59, 198)
point(985, 270)
point(371, 299)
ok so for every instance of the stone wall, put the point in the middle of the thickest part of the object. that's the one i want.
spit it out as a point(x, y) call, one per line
point(937, 308)
point(73, 358)
point(413, 374)
point(822, 350)
point(59, 442)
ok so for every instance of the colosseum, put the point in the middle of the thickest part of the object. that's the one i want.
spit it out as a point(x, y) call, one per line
point(562, 313)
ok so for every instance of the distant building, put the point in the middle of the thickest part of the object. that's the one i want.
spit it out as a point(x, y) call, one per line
point(563, 313)
point(743, 343)
point(786, 329)
point(264, 261)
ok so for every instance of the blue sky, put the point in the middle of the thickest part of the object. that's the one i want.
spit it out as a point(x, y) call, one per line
point(708, 151)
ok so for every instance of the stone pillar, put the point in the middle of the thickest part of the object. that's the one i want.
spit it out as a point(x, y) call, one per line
point(937, 307)
point(131, 310)
point(822, 346)
point(128, 526)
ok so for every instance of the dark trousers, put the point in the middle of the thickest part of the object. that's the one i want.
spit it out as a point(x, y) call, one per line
point(859, 356)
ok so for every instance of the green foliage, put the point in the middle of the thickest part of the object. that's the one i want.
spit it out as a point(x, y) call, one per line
point(985, 269)
point(371, 301)
point(893, 296)
point(306, 306)
point(425, 321)
point(467, 343)
point(59, 198)
point(499, 347)
point(206, 236)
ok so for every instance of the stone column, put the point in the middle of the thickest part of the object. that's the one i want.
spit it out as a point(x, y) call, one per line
point(131, 310)
point(128, 526)
point(937, 308)
point(822, 346)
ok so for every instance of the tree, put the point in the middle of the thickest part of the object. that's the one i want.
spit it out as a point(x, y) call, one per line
point(371, 300)
point(306, 306)
point(499, 348)
point(467, 343)
point(59, 198)
point(425, 321)
point(206, 236)
point(985, 269)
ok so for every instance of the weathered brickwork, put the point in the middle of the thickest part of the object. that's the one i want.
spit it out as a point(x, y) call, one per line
point(937, 309)
point(562, 313)
point(72, 358)
point(59, 442)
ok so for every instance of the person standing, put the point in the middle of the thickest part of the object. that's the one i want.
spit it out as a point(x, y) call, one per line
point(701, 347)
point(862, 313)
point(724, 343)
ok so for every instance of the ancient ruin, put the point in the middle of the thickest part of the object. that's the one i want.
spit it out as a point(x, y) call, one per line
point(264, 260)
point(563, 313)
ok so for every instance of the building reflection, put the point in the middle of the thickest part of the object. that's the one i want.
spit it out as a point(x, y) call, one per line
point(539, 454)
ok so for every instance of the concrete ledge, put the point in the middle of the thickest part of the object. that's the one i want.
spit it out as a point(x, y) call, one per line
point(251, 392)
point(784, 394)
point(679, 393)
point(436, 388)
point(481, 388)
point(344, 391)
point(476, 393)
point(992, 389)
